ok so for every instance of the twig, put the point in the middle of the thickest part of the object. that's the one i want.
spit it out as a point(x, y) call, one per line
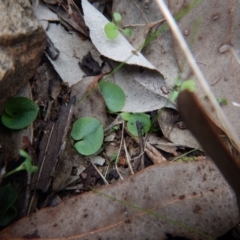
point(154, 154)
point(104, 179)
point(49, 108)
point(128, 157)
point(178, 36)
point(118, 172)
point(119, 151)
point(40, 170)
point(151, 24)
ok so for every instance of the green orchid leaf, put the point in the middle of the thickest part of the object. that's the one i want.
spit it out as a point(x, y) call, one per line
point(19, 113)
point(26, 165)
point(89, 133)
point(143, 118)
point(111, 30)
point(8, 195)
point(8, 216)
point(113, 95)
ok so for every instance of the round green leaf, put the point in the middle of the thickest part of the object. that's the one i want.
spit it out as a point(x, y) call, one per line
point(89, 132)
point(113, 95)
point(128, 32)
point(188, 85)
point(111, 30)
point(143, 118)
point(125, 116)
point(117, 17)
point(19, 113)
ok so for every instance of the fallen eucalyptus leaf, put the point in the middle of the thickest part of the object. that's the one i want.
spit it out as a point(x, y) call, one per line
point(189, 200)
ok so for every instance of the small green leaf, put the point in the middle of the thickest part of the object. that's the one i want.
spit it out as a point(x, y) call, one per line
point(125, 116)
point(89, 132)
point(116, 128)
point(222, 101)
point(111, 30)
point(113, 95)
point(8, 196)
point(143, 118)
point(19, 113)
point(188, 85)
point(128, 32)
point(117, 17)
point(173, 96)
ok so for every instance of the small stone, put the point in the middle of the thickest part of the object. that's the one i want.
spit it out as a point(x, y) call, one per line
point(224, 48)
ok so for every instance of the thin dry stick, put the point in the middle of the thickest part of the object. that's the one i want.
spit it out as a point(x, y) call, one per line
point(151, 24)
point(176, 32)
point(120, 148)
point(127, 157)
point(119, 172)
point(104, 179)
point(40, 169)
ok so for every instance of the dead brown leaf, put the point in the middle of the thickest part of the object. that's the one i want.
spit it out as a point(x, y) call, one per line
point(180, 199)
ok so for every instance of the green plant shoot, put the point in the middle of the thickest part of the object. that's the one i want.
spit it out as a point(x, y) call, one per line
point(112, 29)
point(189, 85)
point(117, 17)
point(26, 165)
point(222, 101)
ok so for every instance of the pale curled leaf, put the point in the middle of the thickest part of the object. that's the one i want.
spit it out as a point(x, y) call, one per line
point(67, 64)
point(118, 49)
point(194, 194)
point(143, 89)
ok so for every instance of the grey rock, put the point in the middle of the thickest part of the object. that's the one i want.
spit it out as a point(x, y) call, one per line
point(22, 42)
